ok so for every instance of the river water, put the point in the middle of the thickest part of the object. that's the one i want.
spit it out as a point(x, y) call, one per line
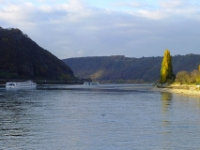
point(104, 117)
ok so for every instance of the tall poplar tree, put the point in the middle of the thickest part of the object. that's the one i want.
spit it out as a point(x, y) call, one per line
point(199, 68)
point(166, 72)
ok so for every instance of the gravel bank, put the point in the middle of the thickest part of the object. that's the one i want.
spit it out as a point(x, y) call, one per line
point(191, 90)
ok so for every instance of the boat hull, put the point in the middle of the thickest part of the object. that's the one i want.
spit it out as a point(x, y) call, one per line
point(91, 83)
point(21, 85)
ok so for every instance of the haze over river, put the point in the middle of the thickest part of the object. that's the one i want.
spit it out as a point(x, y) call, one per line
point(103, 117)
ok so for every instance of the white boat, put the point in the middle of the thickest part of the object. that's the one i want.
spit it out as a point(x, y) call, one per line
point(24, 85)
point(91, 83)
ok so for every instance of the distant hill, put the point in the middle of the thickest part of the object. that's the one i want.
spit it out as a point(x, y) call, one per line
point(124, 69)
point(22, 58)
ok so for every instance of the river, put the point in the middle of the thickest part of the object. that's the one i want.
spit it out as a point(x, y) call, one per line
point(103, 117)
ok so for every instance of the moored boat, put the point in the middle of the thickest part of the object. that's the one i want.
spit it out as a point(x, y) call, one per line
point(91, 83)
point(24, 85)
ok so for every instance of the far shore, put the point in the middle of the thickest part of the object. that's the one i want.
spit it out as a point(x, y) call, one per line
point(190, 90)
point(3, 81)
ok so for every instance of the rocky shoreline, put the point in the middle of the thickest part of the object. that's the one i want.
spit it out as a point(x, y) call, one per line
point(190, 90)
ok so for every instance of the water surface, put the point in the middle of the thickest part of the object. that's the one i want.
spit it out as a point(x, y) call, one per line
point(104, 117)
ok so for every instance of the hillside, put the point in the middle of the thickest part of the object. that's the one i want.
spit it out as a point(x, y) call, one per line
point(22, 58)
point(124, 69)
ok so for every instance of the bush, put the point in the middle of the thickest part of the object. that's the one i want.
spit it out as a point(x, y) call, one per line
point(184, 77)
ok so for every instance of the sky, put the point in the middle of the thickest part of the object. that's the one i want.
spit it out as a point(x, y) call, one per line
point(134, 28)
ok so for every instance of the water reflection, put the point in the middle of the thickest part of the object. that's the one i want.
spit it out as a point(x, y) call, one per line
point(166, 101)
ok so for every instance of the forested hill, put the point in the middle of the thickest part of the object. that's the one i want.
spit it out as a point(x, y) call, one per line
point(22, 58)
point(121, 68)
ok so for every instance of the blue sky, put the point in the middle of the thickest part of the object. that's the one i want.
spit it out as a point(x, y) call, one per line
point(134, 28)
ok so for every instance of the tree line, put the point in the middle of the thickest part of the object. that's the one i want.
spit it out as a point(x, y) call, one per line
point(183, 77)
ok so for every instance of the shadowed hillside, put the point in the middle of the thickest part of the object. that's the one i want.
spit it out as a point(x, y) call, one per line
point(22, 58)
point(124, 69)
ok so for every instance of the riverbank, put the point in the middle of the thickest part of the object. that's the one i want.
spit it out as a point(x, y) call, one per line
point(78, 81)
point(191, 90)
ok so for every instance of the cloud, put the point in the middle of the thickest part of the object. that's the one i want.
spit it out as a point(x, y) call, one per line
point(152, 14)
point(128, 4)
point(77, 29)
point(169, 4)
